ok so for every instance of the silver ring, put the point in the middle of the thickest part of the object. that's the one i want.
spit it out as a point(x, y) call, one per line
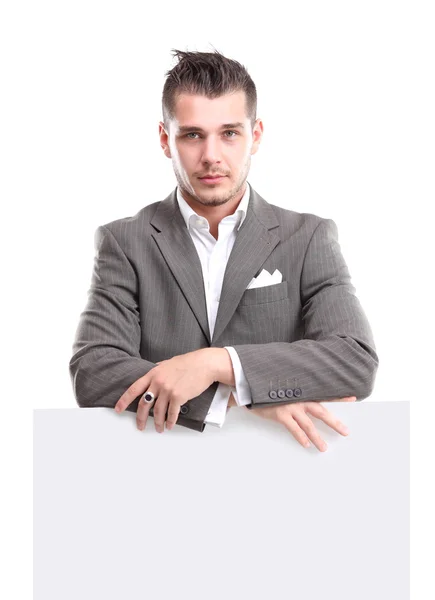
point(148, 397)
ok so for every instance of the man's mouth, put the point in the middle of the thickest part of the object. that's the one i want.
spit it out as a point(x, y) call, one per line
point(211, 176)
point(210, 179)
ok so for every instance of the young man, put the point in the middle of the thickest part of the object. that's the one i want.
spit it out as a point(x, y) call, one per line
point(213, 297)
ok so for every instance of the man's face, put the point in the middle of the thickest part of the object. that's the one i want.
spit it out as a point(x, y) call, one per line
point(200, 142)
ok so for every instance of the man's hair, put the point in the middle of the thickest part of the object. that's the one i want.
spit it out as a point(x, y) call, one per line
point(208, 74)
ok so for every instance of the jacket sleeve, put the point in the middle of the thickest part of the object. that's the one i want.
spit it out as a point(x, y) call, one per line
point(336, 357)
point(106, 350)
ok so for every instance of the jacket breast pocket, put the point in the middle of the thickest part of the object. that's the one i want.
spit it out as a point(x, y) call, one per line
point(265, 294)
point(263, 315)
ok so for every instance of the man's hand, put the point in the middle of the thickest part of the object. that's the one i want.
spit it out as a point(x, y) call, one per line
point(295, 418)
point(173, 382)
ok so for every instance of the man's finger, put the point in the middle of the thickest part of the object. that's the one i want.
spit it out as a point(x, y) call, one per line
point(306, 424)
point(137, 388)
point(159, 412)
point(143, 411)
point(173, 412)
point(295, 430)
point(319, 411)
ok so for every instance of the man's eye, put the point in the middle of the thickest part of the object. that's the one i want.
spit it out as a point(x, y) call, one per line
point(194, 133)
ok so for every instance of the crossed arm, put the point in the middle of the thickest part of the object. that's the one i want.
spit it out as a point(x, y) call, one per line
point(184, 375)
point(336, 359)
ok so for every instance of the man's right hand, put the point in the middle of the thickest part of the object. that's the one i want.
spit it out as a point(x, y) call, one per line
point(294, 416)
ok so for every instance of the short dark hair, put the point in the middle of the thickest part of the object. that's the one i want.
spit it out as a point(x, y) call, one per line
point(209, 74)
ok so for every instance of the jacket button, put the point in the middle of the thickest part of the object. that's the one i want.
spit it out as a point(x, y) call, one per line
point(289, 393)
point(297, 392)
point(184, 409)
point(272, 394)
point(281, 393)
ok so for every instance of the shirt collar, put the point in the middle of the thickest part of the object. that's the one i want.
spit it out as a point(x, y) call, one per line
point(239, 214)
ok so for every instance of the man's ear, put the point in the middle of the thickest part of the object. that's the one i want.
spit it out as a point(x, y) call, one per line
point(257, 134)
point(164, 139)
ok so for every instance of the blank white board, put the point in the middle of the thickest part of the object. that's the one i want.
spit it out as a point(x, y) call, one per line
point(238, 512)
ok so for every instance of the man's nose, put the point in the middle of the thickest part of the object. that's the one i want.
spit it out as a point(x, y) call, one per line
point(211, 151)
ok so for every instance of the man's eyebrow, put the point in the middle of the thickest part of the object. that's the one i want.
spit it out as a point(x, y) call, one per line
point(184, 128)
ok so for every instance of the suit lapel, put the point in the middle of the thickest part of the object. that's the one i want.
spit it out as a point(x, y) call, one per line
point(179, 252)
point(254, 242)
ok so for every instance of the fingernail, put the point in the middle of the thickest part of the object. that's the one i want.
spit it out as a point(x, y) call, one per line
point(345, 430)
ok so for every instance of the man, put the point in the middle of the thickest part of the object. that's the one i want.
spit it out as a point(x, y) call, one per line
point(213, 297)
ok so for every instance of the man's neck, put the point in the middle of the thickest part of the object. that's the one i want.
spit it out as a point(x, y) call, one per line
point(215, 214)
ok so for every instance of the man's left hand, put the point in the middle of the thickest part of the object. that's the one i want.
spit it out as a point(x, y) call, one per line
point(173, 382)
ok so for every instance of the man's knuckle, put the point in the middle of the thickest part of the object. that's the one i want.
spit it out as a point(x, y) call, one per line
point(158, 382)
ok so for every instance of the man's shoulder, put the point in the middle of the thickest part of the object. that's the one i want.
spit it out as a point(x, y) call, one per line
point(286, 214)
point(140, 219)
point(292, 221)
point(127, 232)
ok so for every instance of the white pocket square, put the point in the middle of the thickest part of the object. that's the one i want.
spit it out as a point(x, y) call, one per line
point(265, 278)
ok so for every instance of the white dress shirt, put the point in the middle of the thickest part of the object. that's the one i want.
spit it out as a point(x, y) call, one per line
point(214, 255)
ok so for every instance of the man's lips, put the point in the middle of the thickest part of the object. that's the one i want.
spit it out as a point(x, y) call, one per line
point(214, 180)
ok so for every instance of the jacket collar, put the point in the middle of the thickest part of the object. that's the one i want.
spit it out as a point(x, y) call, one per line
point(238, 216)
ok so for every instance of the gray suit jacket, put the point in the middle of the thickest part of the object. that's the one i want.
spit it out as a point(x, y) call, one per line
point(306, 338)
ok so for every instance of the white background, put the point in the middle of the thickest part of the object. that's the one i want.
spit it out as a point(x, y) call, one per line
point(345, 92)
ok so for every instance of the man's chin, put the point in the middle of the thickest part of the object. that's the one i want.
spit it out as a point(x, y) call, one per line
point(214, 200)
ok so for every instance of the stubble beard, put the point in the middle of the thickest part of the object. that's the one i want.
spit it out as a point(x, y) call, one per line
point(218, 199)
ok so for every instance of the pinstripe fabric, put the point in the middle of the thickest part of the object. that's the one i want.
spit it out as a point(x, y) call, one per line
point(213, 255)
point(147, 303)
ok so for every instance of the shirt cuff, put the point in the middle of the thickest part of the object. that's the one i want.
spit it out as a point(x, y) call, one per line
point(242, 393)
point(218, 408)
